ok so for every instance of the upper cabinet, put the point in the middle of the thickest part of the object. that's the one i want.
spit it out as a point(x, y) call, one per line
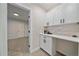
point(62, 14)
point(78, 12)
point(70, 12)
point(54, 16)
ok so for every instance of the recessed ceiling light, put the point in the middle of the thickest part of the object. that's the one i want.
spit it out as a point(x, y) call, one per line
point(15, 14)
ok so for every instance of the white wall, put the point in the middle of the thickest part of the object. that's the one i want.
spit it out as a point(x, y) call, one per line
point(17, 29)
point(3, 29)
point(38, 18)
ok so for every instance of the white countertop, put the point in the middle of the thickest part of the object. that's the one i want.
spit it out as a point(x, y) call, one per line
point(63, 37)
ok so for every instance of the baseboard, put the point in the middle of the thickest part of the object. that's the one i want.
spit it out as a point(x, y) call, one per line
point(33, 50)
point(61, 53)
point(17, 37)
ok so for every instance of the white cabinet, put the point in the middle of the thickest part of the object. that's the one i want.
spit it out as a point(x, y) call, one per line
point(78, 12)
point(55, 16)
point(58, 16)
point(46, 43)
point(69, 13)
point(65, 13)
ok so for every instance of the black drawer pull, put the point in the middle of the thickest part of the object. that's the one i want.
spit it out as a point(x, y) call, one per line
point(44, 41)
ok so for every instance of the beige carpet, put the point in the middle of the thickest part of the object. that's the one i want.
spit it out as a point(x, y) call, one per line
point(43, 53)
point(36, 53)
point(18, 46)
point(39, 53)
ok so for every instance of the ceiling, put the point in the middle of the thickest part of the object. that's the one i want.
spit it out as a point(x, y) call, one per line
point(47, 6)
point(23, 14)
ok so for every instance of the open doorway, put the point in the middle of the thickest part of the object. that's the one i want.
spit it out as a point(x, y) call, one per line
point(18, 31)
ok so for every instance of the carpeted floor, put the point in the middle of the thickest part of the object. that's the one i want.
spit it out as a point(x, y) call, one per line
point(19, 47)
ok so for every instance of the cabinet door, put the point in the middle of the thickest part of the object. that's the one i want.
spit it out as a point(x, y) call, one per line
point(55, 16)
point(77, 12)
point(46, 44)
point(59, 16)
point(42, 42)
point(69, 13)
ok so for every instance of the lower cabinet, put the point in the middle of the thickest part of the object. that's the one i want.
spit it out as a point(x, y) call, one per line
point(47, 44)
point(67, 48)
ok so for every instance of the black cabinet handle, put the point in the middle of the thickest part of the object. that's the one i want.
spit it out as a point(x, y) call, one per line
point(63, 20)
point(60, 20)
point(44, 41)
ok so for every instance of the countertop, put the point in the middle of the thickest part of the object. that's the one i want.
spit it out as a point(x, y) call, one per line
point(63, 37)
